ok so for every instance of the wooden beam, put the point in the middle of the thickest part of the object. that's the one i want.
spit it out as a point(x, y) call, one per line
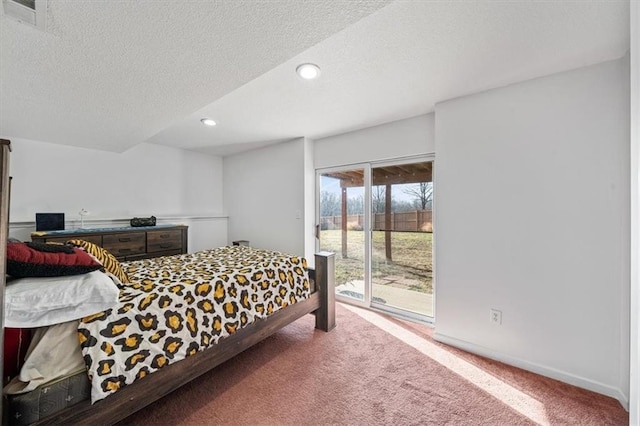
point(381, 178)
point(406, 173)
point(349, 178)
point(387, 222)
point(344, 223)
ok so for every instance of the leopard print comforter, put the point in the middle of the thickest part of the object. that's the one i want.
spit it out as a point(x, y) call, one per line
point(178, 305)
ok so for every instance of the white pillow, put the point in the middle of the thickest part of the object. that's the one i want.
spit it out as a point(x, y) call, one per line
point(42, 301)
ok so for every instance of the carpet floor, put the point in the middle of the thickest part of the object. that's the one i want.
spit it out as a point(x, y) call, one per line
point(373, 370)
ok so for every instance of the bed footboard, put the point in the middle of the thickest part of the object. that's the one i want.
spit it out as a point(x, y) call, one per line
point(325, 286)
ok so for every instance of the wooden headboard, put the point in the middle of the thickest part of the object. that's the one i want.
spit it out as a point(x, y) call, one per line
point(5, 149)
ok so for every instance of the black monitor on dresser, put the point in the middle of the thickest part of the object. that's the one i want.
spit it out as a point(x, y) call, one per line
point(49, 221)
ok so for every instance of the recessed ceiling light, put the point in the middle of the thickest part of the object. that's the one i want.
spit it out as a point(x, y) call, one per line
point(308, 71)
point(208, 122)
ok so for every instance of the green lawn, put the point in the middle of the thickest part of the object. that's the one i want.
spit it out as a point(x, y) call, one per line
point(411, 266)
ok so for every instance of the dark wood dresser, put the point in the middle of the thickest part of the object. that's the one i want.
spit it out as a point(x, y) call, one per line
point(127, 243)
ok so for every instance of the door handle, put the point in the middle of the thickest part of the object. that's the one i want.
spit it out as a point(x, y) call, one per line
point(318, 231)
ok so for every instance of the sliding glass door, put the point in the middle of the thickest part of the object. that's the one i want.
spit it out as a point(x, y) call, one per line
point(402, 237)
point(342, 205)
point(377, 218)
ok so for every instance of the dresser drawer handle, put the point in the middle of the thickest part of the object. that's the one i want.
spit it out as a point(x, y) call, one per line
point(124, 250)
point(124, 240)
point(164, 236)
point(165, 245)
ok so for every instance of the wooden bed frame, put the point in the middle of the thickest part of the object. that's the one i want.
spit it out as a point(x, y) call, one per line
point(5, 180)
point(139, 394)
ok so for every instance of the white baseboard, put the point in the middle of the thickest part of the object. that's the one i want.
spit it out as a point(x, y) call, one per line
point(553, 373)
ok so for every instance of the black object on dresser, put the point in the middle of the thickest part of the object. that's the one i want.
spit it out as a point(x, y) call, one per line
point(126, 243)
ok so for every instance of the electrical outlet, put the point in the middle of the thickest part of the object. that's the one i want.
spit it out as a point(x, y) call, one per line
point(495, 316)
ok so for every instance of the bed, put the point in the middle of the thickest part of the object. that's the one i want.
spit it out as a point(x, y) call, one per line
point(177, 318)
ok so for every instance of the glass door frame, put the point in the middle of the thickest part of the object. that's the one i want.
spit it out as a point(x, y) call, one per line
point(366, 229)
point(391, 309)
point(367, 302)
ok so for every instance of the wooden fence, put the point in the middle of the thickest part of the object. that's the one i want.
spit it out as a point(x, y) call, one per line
point(414, 221)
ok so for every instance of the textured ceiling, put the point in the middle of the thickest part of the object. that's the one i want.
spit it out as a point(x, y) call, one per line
point(110, 75)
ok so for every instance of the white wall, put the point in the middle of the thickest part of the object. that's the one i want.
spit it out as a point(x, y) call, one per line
point(532, 210)
point(175, 185)
point(403, 138)
point(264, 196)
point(269, 193)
